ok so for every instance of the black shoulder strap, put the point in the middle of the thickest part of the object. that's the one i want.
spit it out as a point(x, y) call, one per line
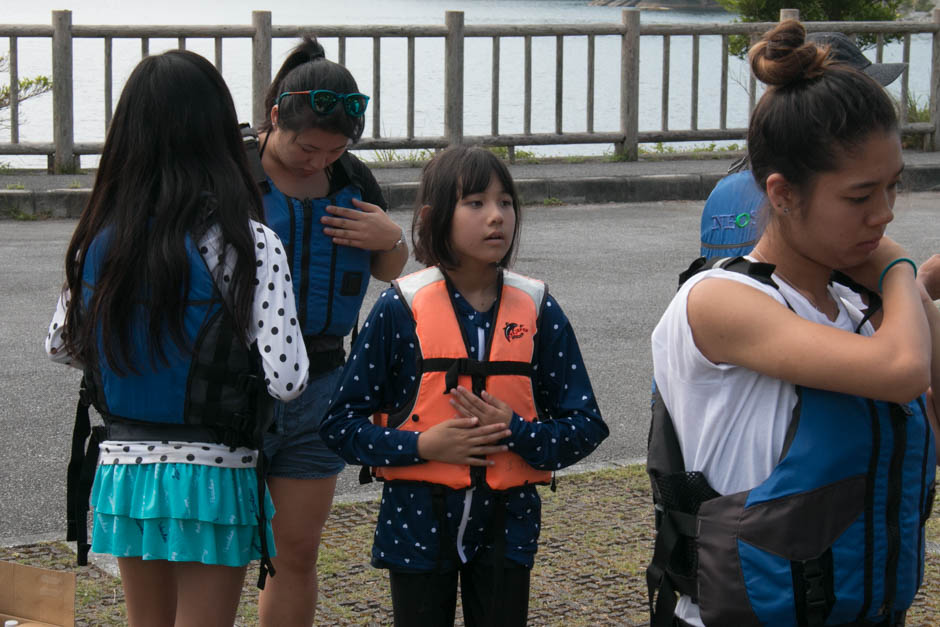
point(345, 161)
point(81, 472)
point(252, 151)
point(761, 272)
point(874, 298)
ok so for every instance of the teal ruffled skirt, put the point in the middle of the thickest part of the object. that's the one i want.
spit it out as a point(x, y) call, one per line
point(179, 512)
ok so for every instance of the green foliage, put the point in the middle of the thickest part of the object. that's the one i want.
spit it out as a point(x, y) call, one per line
point(811, 11)
point(918, 110)
point(28, 87)
point(15, 186)
point(518, 155)
point(390, 156)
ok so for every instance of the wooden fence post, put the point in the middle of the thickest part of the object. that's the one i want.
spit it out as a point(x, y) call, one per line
point(63, 136)
point(453, 77)
point(934, 141)
point(260, 65)
point(629, 86)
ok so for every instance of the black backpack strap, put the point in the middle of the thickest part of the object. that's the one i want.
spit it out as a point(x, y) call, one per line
point(253, 152)
point(874, 298)
point(345, 162)
point(761, 272)
point(266, 567)
point(81, 474)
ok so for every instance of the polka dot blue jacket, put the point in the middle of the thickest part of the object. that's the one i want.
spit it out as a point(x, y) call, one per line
point(381, 373)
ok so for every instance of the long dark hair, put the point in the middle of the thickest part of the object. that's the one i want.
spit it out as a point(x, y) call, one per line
point(815, 111)
point(451, 175)
point(307, 67)
point(173, 166)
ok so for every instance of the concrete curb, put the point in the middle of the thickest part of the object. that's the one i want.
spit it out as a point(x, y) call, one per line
point(68, 203)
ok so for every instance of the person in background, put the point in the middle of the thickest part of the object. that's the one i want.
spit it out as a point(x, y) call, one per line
point(731, 218)
point(466, 389)
point(176, 311)
point(330, 213)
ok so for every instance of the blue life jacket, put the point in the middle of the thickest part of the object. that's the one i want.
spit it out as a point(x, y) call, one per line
point(329, 280)
point(834, 535)
point(731, 215)
point(214, 390)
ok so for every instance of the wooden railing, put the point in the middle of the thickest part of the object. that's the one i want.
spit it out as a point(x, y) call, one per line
point(64, 152)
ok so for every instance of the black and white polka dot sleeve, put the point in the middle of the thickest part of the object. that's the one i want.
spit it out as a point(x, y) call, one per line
point(55, 340)
point(274, 315)
point(274, 318)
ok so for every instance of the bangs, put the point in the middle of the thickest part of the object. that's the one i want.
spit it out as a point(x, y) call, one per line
point(477, 169)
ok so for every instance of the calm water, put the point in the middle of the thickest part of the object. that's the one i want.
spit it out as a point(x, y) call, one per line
point(35, 58)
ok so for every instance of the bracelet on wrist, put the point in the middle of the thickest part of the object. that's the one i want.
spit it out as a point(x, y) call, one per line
point(399, 244)
point(891, 265)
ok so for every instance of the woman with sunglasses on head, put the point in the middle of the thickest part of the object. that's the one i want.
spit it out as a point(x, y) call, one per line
point(330, 213)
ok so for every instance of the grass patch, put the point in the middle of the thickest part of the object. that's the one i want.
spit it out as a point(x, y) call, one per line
point(14, 186)
point(12, 213)
point(918, 110)
point(389, 157)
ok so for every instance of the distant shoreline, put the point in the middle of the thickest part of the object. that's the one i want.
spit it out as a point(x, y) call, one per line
point(662, 5)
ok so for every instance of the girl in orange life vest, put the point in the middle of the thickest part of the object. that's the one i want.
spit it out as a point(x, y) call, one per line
point(460, 467)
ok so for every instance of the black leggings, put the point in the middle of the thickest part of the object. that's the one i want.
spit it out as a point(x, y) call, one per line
point(430, 599)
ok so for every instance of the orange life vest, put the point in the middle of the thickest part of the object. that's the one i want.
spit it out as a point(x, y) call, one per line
point(505, 371)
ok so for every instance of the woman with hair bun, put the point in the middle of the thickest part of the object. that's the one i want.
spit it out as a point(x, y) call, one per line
point(329, 211)
point(791, 451)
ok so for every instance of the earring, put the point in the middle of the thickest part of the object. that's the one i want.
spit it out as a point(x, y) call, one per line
point(786, 209)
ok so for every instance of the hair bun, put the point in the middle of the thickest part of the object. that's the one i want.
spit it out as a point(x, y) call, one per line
point(783, 56)
point(311, 48)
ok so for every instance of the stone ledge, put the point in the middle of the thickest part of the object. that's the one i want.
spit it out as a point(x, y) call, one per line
point(69, 203)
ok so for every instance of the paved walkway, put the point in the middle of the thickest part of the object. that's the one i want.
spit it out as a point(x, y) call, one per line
point(552, 181)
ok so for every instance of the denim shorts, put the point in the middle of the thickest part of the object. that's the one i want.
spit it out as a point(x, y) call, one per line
point(293, 447)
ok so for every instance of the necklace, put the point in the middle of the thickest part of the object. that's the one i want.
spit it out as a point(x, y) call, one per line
point(804, 293)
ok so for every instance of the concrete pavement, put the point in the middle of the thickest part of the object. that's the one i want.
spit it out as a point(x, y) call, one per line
point(611, 266)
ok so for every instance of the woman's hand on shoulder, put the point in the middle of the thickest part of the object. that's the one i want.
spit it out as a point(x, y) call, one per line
point(928, 275)
point(367, 227)
point(462, 441)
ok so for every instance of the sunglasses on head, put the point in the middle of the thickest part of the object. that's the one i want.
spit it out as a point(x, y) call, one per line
point(324, 101)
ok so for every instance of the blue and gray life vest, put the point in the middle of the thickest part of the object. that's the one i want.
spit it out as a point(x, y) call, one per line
point(835, 534)
point(213, 391)
point(329, 280)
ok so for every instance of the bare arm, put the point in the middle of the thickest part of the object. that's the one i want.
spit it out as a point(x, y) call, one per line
point(933, 402)
point(387, 264)
point(761, 334)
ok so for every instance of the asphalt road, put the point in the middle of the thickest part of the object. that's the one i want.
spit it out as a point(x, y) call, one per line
point(612, 267)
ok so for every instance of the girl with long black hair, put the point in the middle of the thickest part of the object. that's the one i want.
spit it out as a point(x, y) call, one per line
point(177, 310)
